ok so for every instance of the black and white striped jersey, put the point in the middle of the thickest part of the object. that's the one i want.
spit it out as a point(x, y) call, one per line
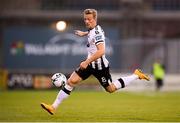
point(96, 36)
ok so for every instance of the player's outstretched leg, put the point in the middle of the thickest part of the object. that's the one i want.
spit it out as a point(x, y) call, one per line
point(125, 81)
point(48, 108)
point(63, 94)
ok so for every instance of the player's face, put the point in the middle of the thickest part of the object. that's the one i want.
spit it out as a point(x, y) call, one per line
point(89, 21)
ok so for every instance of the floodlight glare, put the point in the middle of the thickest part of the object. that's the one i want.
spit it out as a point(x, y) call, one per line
point(61, 25)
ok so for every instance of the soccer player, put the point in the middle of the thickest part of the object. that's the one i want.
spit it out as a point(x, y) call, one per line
point(158, 73)
point(96, 64)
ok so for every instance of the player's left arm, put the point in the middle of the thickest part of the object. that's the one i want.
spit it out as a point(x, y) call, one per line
point(80, 33)
point(100, 52)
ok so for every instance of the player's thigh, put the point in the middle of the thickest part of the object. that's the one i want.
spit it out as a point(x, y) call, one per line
point(74, 79)
point(104, 77)
point(84, 73)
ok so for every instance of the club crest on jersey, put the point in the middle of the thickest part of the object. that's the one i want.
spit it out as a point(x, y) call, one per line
point(96, 32)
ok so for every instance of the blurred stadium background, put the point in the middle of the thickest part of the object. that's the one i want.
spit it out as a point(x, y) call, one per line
point(138, 32)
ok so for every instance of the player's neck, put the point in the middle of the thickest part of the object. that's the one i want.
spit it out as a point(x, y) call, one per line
point(93, 27)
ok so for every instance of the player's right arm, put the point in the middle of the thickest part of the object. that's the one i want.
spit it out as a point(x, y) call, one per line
point(81, 33)
point(99, 53)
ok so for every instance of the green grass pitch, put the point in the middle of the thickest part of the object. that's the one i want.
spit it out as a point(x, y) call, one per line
point(91, 106)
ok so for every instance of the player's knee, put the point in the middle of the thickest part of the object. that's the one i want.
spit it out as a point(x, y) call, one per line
point(110, 90)
point(72, 81)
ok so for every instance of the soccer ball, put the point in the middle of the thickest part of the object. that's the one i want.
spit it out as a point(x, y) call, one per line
point(58, 79)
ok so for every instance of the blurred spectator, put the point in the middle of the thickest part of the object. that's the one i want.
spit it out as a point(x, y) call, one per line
point(158, 73)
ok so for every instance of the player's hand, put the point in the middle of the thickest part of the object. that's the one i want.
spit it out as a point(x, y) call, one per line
point(83, 65)
point(80, 33)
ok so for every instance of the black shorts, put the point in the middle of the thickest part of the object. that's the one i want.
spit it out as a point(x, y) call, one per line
point(103, 76)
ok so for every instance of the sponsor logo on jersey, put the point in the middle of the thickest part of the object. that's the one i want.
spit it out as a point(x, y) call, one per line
point(98, 37)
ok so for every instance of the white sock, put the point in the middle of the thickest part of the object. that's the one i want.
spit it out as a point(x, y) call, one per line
point(124, 81)
point(63, 94)
point(60, 97)
point(127, 80)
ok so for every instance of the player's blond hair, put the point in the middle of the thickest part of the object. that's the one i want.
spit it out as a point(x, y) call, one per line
point(91, 11)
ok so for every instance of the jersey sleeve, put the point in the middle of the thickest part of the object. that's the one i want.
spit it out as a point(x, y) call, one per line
point(99, 37)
